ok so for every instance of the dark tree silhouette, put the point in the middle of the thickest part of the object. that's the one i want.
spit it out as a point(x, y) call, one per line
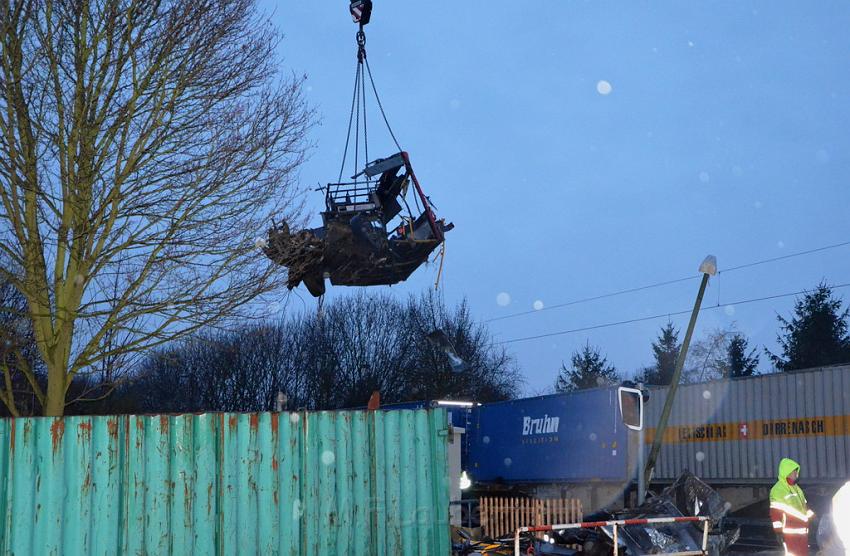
point(331, 360)
point(739, 362)
point(665, 350)
point(588, 369)
point(816, 334)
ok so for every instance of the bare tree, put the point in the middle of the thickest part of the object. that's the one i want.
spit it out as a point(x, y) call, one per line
point(491, 372)
point(331, 360)
point(143, 145)
point(20, 365)
point(373, 345)
point(707, 357)
point(218, 371)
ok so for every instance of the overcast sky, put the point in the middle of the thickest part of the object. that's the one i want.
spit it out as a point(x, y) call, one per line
point(583, 148)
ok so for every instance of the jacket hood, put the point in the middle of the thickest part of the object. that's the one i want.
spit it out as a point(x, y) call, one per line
point(786, 467)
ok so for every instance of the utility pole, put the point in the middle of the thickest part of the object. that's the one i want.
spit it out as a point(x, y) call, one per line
point(708, 268)
point(641, 460)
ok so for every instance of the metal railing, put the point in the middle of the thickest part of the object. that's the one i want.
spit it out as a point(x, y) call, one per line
point(343, 196)
point(621, 523)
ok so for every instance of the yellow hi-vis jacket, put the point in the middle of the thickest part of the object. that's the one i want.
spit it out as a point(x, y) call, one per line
point(789, 510)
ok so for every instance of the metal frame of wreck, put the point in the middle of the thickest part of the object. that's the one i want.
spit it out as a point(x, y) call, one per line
point(620, 523)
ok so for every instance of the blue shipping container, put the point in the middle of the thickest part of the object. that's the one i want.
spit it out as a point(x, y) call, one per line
point(573, 437)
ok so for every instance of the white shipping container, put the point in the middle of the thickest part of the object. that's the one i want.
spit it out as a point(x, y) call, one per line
point(737, 430)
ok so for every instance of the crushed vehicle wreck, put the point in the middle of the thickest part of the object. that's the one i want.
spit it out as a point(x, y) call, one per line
point(687, 497)
point(367, 237)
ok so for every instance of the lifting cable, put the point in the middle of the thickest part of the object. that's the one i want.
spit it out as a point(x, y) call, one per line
point(354, 105)
point(358, 108)
point(380, 105)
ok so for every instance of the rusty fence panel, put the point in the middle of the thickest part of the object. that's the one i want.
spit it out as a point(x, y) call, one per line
point(296, 484)
point(502, 516)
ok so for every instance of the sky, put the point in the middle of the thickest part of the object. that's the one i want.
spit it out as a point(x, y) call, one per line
point(585, 148)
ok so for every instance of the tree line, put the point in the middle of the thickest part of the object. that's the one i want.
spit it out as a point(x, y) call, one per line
point(815, 335)
point(337, 357)
point(332, 359)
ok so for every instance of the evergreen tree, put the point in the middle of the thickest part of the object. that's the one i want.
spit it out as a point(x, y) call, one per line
point(816, 335)
point(665, 350)
point(588, 369)
point(738, 362)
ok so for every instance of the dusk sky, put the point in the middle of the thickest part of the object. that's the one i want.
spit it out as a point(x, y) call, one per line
point(584, 148)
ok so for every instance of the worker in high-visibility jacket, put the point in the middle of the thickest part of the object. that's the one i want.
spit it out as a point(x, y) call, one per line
point(789, 511)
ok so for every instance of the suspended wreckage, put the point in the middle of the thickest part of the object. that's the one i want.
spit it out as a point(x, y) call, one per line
point(359, 244)
point(367, 238)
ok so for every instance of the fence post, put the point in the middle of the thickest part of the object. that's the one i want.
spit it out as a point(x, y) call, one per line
point(538, 517)
point(500, 516)
point(616, 543)
point(511, 514)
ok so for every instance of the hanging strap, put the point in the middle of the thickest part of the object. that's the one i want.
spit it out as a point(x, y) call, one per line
point(442, 256)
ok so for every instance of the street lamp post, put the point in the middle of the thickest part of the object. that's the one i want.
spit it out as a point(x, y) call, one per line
point(708, 268)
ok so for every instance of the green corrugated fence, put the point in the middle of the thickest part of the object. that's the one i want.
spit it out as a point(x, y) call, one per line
point(314, 483)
